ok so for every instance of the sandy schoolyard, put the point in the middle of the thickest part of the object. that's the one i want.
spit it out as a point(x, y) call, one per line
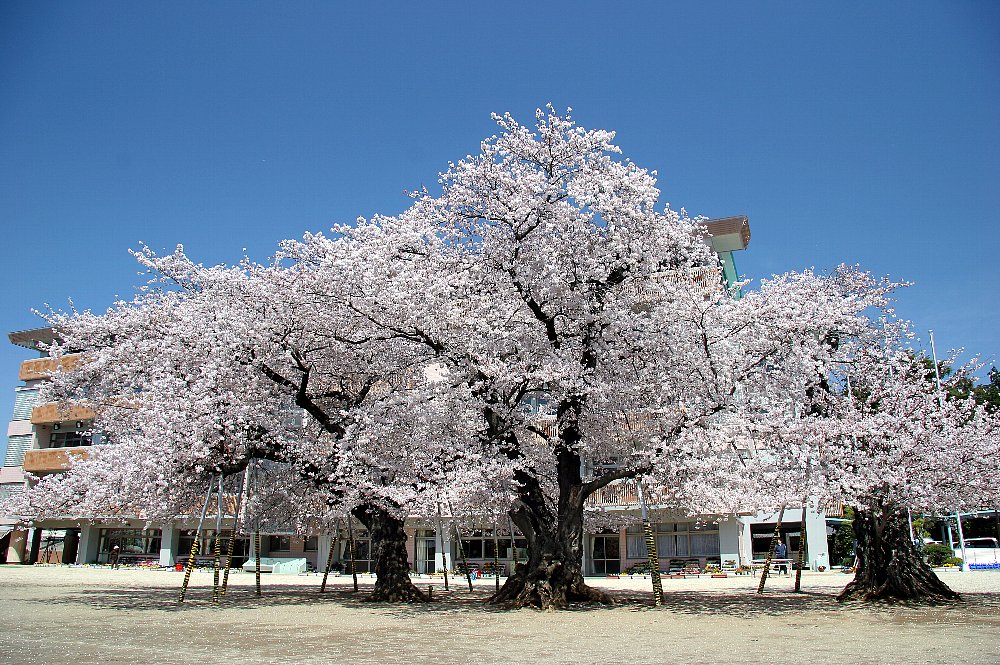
point(97, 615)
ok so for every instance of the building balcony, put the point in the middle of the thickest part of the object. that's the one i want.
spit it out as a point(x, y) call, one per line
point(46, 414)
point(51, 460)
point(43, 368)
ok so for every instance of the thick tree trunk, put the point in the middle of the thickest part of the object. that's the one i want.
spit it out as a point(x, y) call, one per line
point(552, 577)
point(890, 569)
point(388, 543)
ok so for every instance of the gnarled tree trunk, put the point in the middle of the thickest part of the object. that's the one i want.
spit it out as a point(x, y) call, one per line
point(552, 577)
point(388, 543)
point(890, 569)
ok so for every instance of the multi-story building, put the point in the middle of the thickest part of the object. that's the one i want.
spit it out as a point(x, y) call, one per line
point(42, 438)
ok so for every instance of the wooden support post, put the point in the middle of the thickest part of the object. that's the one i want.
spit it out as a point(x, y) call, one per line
point(194, 544)
point(770, 551)
point(802, 548)
point(350, 537)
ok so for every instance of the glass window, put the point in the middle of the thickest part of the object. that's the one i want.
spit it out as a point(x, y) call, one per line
point(69, 439)
point(279, 544)
point(311, 544)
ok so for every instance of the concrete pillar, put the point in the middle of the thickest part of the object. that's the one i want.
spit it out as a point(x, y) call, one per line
point(746, 541)
point(88, 544)
point(411, 548)
point(71, 544)
point(17, 550)
point(442, 554)
point(169, 538)
point(729, 540)
point(817, 548)
point(36, 545)
point(323, 545)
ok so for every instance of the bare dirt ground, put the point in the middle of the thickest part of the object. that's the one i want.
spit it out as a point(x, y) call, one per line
point(97, 615)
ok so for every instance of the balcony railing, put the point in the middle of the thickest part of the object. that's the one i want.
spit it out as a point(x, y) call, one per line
point(56, 413)
point(51, 460)
point(42, 368)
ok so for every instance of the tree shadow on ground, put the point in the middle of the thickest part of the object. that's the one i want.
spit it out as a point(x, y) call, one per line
point(737, 603)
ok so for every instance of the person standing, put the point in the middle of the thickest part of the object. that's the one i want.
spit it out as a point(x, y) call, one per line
point(780, 553)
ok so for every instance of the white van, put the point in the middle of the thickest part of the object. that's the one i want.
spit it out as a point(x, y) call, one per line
point(979, 550)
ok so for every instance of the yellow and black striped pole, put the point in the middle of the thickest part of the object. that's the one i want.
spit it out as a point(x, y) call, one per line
point(256, 548)
point(802, 549)
point(651, 555)
point(329, 557)
point(770, 550)
point(217, 550)
point(232, 536)
point(194, 544)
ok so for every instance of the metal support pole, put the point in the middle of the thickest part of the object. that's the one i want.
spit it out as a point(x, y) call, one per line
point(496, 555)
point(350, 536)
point(461, 548)
point(961, 539)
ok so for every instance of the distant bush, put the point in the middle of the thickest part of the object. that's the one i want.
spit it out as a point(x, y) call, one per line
point(937, 554)
point(954, 561)
point(847, 562)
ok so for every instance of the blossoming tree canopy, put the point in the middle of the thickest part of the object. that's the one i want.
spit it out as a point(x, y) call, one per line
point(588, 322)
point(542, 321)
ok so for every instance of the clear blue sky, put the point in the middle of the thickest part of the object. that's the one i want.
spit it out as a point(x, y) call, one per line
point(848, 132)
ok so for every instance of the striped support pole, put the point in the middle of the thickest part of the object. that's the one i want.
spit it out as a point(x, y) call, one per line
point(194, 544)
point(350, 536)
point(770, 550)
point(329, 558)
point(651, 555)
point(232, 535)
point(256, 547)
point(802, 549)
point(217, 550)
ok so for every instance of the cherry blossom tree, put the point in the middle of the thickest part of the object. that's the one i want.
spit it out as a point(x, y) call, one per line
point(588, 321)
point(904, 445)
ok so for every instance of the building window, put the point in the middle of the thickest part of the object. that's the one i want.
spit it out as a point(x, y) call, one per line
point(480, 545)
point(675, 540)
point(69, 439)
point(362, 552)
point(605, 557)
point(279, 544)
point(311, 544)
point(23, 403)
point(136, 543)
